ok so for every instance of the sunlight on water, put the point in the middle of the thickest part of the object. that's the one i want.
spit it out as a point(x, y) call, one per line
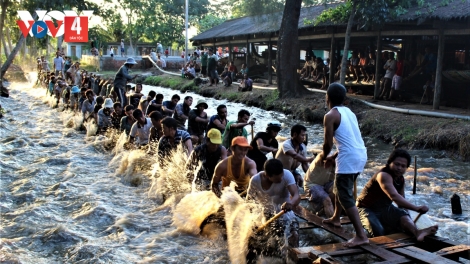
point(241, 218)
point(169, 175)
point(71, 198)
point(193, 209)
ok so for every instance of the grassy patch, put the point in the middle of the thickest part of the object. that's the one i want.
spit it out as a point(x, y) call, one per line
point(271, 98)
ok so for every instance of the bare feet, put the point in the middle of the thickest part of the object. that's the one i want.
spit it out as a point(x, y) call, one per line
point(332, 221)
point(355, 241)
point(426, 232)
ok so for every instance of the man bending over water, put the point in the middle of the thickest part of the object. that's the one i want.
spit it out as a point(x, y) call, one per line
point(378, 215)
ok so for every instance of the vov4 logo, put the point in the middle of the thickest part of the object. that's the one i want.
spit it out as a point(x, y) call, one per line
point(72, 26)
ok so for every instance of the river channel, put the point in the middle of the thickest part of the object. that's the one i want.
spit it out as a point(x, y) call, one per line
point(63, 198)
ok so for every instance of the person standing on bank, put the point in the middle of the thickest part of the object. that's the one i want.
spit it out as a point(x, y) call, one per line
point(264, 143)
point(340, 126)
point(121, 79)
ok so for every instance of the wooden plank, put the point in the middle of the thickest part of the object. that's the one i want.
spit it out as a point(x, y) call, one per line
point(423, 255)
point(296, 254)
point(323, 258)
point(455, 252)
point(318, 221)
point(381, 252)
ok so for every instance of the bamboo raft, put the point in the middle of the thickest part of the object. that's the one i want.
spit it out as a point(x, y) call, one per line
point(395, 248)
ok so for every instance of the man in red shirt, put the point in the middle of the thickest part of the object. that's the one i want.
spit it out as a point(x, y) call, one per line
point(398, 77)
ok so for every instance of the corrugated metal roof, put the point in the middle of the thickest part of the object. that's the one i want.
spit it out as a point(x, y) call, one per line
point(440, 9)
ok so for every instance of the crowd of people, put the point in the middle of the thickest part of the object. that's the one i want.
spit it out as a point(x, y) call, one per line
point(361, 69)
point(219, 153)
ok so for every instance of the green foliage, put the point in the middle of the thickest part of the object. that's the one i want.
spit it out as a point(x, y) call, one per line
point(337, 15)
point(271, 98)
point(209, 21)
point(241, 8)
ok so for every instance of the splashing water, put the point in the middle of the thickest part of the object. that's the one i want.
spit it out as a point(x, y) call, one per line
point(169, 176)
point(241, 218)
point(193, 209)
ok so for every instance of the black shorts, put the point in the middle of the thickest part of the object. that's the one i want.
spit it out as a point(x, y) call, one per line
point(343, 188)
point(383, 220)
point(204, 70)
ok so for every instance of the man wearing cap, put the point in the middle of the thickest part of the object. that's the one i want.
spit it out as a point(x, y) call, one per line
point(104, 115)
point(264, 143)
point(140, 130)
point(182, 112)
point(208, 154)
point(121, 79)
point(237, 168)
point(172, 137)
point(197, 123)
point(237, 128)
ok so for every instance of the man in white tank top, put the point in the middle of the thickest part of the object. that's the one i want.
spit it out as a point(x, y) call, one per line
point(341, 127)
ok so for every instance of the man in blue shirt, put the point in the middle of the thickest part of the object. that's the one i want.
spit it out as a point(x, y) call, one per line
point(168, 107)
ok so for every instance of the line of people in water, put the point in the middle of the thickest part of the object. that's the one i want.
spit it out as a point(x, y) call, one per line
point(226, 155)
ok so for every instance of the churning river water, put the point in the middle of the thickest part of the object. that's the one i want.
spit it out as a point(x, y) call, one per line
point(67, 198)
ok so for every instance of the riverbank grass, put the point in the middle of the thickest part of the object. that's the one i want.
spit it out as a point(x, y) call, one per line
point(173, 82)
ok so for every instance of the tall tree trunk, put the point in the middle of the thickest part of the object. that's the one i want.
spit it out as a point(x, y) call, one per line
point(10, 46)
point(288, 52)
point(5, 46)
point(12, 55)
point(3, 5)
point(347, 39)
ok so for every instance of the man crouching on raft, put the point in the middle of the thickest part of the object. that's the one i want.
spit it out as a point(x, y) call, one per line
point(378, 215)
point(237, 167)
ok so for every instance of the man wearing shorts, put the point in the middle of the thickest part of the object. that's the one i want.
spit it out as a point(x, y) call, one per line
point(123, 51)
point(212, 68)
point(398, 77)
point(340, 125)
point(121, 79)
point(318, 185)
point(378, 215)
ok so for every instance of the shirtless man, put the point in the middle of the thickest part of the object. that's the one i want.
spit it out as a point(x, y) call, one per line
point(340, 124)
point(237, 168)
point(378, 215)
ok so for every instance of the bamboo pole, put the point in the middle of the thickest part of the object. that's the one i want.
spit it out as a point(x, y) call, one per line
point(415, 176)
point(270, 221)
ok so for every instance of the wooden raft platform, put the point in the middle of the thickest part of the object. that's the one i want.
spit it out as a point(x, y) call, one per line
point(395, 248)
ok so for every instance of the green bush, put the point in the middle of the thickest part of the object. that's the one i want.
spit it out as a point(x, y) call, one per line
point(271, 98)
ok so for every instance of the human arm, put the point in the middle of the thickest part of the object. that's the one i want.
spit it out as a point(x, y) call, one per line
point(166, 110)
point(218, 173)
point(250, 167)
point(132, 133)
point(223, 152)
point(330, 121)
point(189, 146)
point(385, 181)
point(218, 124)
point(240, 125)
point(179, 110)
point(264, 148)
point(295, 198)
point(202, 118)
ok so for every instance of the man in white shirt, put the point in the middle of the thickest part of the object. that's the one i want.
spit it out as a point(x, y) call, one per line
point(58, 64)
point(191, 72)
point(390, 67)
point(293, 152)
point(140, 130)
point(275, 189)
point(340, 125)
